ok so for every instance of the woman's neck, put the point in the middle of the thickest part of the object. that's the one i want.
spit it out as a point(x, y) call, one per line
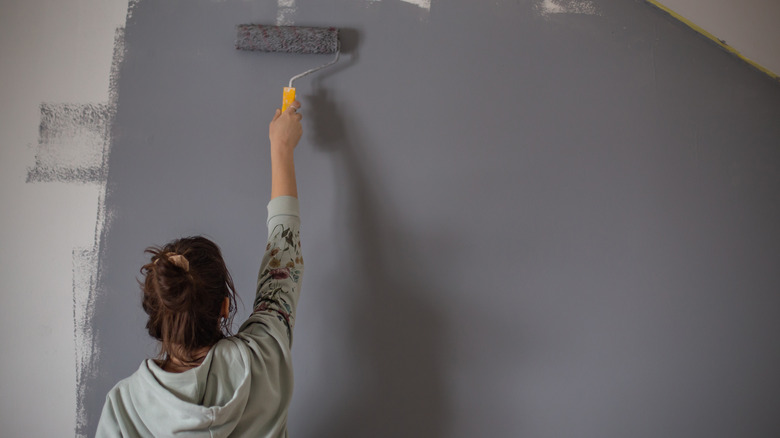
point(176, 365)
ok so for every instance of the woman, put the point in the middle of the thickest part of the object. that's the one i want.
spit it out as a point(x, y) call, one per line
point(206, 382)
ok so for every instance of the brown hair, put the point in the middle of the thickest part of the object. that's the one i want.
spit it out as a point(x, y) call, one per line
point(183, 298)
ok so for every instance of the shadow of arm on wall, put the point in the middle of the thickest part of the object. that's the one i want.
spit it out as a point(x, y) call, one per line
point(396, 335)
point(327, 126)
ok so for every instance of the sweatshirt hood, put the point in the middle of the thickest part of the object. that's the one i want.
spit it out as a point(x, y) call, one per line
point(181, 396)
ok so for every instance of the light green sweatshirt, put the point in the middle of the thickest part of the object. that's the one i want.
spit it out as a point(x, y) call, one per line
point(244, 385)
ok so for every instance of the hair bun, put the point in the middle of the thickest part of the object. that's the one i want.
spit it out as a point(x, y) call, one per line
point(184, 296)
point(172, 281)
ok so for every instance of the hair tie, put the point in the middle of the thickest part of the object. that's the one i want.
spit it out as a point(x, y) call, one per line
point(177, 259)
point(180, 261)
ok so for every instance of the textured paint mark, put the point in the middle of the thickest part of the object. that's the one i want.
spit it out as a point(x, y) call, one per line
point(72, 140)
point(550, 7)
point(84, 284)
point(285, 11)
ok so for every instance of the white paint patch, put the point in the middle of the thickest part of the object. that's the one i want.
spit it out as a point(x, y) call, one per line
point(285, 11)
point(424, 4)
point(131, 5)
point(550, 7)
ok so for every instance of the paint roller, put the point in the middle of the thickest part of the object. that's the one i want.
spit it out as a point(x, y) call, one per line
point(289, 39)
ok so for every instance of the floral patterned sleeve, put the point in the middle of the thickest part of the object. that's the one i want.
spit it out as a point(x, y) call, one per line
point(281, 270)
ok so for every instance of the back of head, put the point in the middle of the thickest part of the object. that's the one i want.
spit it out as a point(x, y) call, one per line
point(185, 285)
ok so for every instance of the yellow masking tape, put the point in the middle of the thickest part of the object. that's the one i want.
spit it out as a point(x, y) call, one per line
point(717, 40)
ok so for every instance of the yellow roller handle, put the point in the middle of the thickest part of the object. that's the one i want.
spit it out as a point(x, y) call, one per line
point(288, 97)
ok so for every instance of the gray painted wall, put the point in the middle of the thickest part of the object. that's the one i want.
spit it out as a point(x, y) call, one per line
point(514, 225)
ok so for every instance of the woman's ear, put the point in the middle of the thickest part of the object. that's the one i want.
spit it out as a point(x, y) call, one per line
point(225, 308)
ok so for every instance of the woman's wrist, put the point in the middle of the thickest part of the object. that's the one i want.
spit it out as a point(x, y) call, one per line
point(283, 181)
point(281, 152)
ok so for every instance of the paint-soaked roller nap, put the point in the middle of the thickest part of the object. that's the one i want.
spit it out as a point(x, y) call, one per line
point(290, 39)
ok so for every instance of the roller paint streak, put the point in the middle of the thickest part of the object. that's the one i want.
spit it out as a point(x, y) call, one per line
point(71, 143)
point(87, 261)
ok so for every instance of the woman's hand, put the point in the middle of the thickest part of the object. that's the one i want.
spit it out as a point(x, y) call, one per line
point(285, 129)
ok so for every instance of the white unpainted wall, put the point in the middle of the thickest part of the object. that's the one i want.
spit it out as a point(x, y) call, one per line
point(60, 51)
point(752, 27)
point(53, 51)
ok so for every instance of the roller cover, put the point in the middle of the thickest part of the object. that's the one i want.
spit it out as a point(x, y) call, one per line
point(291, 39)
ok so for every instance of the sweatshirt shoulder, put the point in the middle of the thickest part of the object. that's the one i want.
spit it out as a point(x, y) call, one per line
point(119, 415)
